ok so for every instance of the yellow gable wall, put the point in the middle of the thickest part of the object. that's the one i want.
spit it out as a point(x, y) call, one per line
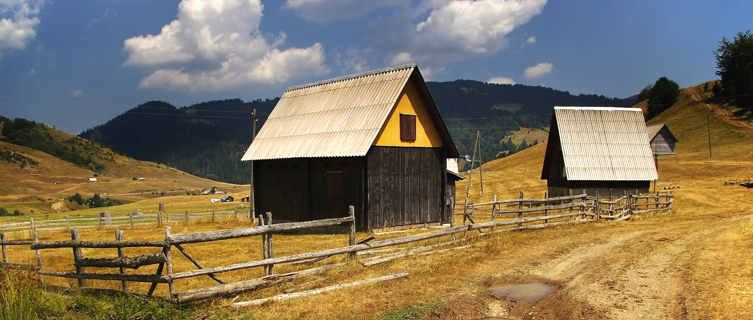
point(426, 133)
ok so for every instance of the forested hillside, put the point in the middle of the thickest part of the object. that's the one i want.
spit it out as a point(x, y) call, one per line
point(208, 139)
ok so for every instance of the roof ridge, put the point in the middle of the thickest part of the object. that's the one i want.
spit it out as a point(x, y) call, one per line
point(604, 108)
point(352, 76)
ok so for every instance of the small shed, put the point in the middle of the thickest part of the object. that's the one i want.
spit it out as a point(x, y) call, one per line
point(374, 140)
point(662, 140)
point(598, 149)
point(453, 174)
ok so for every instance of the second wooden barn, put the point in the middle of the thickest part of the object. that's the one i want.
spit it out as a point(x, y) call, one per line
point(375, 140)
point(598, 149)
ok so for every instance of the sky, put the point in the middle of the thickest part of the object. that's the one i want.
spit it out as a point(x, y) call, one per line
point(77, 64)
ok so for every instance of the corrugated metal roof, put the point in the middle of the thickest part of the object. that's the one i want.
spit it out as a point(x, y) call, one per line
point(339, 117)
point(604, 144)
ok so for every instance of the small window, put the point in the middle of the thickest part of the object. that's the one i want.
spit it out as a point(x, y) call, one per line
point(408, 127)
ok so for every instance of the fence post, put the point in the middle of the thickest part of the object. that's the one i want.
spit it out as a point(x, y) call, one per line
point(352, 235)
point(119, 237)
point(161, 209)
point(597, 210)
point(235, 212)
point(263, 242)
point(520, 209)
point(130, 218)
point(168, 262)
point(270, 252)
point(68, 222)
point(494, 207)
point(77, 257)
point(5, 253)
point(186, 217)
point(36, 252)
point(546, 206)
point(213, 213)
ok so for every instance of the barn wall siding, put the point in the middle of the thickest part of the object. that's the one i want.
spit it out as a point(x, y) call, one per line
point(405, 186)
point(604, 188)
point(298, 189)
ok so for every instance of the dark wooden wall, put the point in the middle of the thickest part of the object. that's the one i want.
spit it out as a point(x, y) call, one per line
point(308, 189)
point(604, 188)
point(405, 186)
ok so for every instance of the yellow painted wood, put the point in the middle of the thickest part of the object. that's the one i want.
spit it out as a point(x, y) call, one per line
point(411, 102)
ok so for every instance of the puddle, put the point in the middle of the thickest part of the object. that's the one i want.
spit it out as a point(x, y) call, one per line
point(530, 292)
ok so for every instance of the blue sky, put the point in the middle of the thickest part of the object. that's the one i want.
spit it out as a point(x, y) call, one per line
point(76, 64)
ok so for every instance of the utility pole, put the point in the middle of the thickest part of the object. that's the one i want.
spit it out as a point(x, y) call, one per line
point(251, 202)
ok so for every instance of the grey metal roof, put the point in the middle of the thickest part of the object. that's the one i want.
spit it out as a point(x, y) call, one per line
point(604, 144)
point(340, 117)
point(653, 130)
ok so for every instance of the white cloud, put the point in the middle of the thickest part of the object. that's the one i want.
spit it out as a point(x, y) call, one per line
point(475, 26)
point(531, 40)
point(216, 45)
point(538, 70)
point(501, 80)
point(77, 93)
point(328, 10)
point(18, 18)
point(458, 30)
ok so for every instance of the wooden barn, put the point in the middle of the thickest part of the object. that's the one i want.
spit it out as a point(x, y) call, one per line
point(375, 140)
point(598, 149)
point(661, 139)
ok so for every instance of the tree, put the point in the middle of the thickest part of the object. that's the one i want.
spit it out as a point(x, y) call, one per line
point(662, 96)
point(734, 63)
point(644, 93)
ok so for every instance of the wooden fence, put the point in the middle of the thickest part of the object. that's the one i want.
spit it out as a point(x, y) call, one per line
point(505, 215)
point(131, 220)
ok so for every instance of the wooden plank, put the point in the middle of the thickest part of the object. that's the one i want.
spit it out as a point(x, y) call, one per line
point(77, 257)
point(248, 285)
point(245, 232)
point(123, 262)
point(352, 234)
point(321, 253)
point(2, 242)
point(107, 276)
point(515, 201)
point(154, 283)
point(196, 263)
point(100, 244)
point(168, 262)
point(119, 237)
point(294, 295)
point(543, 208)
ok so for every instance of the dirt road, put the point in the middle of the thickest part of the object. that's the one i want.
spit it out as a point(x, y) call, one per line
point(618, 273)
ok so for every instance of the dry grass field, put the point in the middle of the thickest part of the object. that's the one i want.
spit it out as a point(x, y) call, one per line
point(37, 188)
point(694, 263)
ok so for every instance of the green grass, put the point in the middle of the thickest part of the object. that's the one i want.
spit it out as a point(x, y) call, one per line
point(413, 312)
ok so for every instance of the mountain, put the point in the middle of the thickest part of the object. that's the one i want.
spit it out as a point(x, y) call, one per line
point(208, 139)
point(40, 165)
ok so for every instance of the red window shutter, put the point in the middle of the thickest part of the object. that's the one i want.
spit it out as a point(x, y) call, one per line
point(408, 127)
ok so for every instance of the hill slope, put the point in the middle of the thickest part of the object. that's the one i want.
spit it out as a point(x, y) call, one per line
point(208, 139)
point(42, 177)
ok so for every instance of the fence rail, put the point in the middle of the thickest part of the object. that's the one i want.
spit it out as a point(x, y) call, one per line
point(506, 215)
point(132, 220)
